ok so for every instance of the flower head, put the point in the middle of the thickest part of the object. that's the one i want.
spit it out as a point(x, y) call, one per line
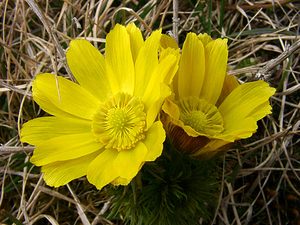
point(209, 108)
point(105, 125)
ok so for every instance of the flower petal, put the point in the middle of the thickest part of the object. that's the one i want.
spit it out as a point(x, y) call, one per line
point(243, 100)
point(230, 83)
point(239, 130)
point(128, 163)
point(205, 38)
point(171, 109)
point(101, 170)
point(88, 67)
point(154, 141)
point(212, 148)
point(61, 97)
point(216, 55)
point(65, 147)
point(146, 62)
point(243, 107)
point(154, 103)
point(167, 41)
point(60, 173)
point(261, 111)
point(191, 68)
point(136, 40)
point(165, 53)
point(183, 141)
point(156, 91)
point(41, 129)
point(119, 62)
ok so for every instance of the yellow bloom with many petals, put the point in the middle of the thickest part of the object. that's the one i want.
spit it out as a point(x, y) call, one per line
point(103, 127)
point(210, 109)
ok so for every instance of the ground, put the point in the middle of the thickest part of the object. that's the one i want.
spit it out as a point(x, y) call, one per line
point(260, 182)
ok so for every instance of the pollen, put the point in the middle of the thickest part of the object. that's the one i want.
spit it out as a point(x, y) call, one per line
point(120, 122)
point(195, 119)
point(117, 118)
point(200, 115)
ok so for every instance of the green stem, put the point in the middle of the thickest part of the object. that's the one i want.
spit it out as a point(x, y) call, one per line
point(209, 17)
point(221, 22)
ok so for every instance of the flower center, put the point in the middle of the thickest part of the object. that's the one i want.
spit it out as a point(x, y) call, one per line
point(119, 123)
point(195, 119)
point(200, 115)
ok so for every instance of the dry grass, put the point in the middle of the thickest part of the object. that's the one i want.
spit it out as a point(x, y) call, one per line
point(261, 177)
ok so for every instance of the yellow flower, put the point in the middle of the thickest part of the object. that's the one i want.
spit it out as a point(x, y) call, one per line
point(105, 126)
point(209, 108)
